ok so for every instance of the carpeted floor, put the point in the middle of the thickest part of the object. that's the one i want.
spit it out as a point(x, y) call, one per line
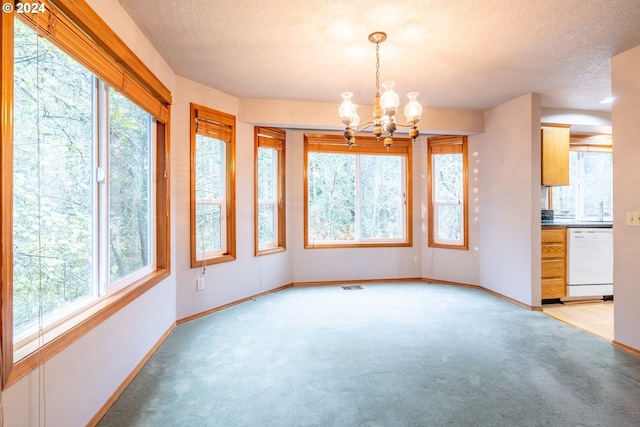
point(411, 354)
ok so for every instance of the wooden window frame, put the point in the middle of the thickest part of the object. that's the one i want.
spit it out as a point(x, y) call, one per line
point(222, 126)
point(265, 137)
point(448, 145)
point(322, 143)
point(76, 29)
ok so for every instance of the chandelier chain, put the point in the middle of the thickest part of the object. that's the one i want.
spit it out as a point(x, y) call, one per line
point(377, 67)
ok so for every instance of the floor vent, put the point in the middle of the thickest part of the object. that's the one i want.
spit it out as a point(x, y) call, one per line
point(352, 288)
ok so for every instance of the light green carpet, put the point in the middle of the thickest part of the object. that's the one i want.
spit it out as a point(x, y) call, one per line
point(410, 354)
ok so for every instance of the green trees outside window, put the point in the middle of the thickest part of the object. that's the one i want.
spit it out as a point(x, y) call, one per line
point(210, 196)
point(267, 197)
point(589, 193)
point(448, 197)
point(332, 197)
point(130, 212)
point(357, 196)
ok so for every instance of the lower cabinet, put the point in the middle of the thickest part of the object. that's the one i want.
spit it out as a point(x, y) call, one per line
point(554, 262)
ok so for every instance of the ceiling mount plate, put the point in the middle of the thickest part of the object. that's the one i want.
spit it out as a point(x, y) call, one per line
point(377, 37)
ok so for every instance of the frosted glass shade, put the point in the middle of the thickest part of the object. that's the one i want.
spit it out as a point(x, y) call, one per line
point(389, 100)
point(413, 110)
point(347, 109)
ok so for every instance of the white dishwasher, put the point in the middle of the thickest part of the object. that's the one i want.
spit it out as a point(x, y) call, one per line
point(589, 262)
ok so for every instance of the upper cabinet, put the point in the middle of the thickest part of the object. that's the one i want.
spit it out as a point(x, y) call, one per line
point(555, 154)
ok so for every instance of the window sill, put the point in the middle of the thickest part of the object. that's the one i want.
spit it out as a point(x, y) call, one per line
point(446, 246)
point(214, 260)
point(270, 251)
point(357, 245)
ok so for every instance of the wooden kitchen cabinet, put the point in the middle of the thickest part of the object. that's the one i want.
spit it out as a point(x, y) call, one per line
point(554, 262)
point(555, 154)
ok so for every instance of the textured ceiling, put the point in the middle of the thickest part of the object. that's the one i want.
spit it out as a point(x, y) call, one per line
point(464, 54)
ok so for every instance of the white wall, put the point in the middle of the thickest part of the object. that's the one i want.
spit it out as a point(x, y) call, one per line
point(581, 121)
point(509, 193)
point(248, 275)
point(76, 382)
point(315, 115)
point(626, 197)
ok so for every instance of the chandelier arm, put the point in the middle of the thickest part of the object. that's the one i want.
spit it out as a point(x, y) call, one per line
point(363, 126)
point(408, 125)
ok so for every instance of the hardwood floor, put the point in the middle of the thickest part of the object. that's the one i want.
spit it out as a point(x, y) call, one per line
point(594, 317)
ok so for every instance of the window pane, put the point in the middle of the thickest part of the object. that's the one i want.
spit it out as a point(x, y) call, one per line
point(210, 194)
point(267, 195)
point(267, 158)
point(266, 224)
point(129, 187)
point(209, 168)
point(331, 211)
point(597, 184)
point(382, 215)
point(449, 222)
point(448, 177)
point(590, 186)
point(208, 227)
point(52, 188)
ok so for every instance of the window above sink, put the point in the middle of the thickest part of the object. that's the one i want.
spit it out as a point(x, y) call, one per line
point(588, 197)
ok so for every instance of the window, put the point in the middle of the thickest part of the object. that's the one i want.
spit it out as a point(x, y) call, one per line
point(270, 190)
point(447, 192)
point(83, 183)
point(69, 246)
point(212, 186)
point(359, 196)
point(588, 196)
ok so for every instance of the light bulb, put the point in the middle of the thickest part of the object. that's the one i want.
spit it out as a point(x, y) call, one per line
point(347, 109)
point(413, 110)
point(389, 100)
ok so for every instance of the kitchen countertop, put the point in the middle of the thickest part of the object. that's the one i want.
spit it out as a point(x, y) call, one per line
point(578, 223)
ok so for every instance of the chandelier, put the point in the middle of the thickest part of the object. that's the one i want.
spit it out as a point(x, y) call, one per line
point(384, 108)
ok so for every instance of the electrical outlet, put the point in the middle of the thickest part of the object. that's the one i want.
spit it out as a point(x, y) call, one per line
point(416, 258)
point(633, 219)
point(201, 284)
